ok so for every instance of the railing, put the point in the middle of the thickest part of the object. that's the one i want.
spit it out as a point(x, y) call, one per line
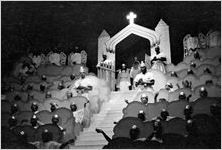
point(107, 73)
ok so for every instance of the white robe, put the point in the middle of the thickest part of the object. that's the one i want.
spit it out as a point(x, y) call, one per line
point(55, 58)
point(124, 81)
point(37, 60)
point(158, 65)
point(76, 58)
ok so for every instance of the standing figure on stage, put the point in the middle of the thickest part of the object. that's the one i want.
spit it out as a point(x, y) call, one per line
point(133, 72)
point(157, 60)
point(123, 79)
point(144, 79)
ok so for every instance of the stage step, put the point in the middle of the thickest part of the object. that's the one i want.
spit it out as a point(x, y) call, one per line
point(110, 112)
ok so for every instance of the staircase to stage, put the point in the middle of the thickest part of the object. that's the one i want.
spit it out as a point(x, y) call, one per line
point(110, 112)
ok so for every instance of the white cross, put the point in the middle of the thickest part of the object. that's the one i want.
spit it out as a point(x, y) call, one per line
point(131, 16)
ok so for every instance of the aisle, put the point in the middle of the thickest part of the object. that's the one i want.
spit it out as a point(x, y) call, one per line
point(110, 112)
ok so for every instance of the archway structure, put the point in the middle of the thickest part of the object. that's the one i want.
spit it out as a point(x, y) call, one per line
point(107, 45)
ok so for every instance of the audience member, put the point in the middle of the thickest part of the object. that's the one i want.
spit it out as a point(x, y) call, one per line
point(48, 143)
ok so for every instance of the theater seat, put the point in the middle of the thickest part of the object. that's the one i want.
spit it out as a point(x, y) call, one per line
point(24, 117)
point(202, 105)
point(5, 106)
point(209, 131)
point(173, 141)
point(149, 94)
point(123, 127)
point(57, 133)
point(175, 125)
point(133, 109)
point(120, 143)
point(33, 79)
point(176, 108)
point(154, 110)
point(29, 131)
point(4, 119)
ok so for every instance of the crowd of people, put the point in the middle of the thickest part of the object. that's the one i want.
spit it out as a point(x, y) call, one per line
point(139, 74)
point(140, 78)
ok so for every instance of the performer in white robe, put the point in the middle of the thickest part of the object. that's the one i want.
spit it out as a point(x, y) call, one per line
point(55, 59)
point(37, 60)
point(135, 70)
point(144, 80)
point(157, 60)
point(123, 79)
point(76, 58)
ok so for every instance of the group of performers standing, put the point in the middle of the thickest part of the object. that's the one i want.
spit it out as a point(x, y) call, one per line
point(139, 75)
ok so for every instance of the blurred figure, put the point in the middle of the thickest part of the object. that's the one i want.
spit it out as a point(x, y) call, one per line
point(188, 112)
point(34, 108)
point(53, 107)
point(123, 79)
point(133, 72)
point(48, 143)
point(12, 122)
point(141, 115)
point(157, 60)
point(144, 79)
point(203, 92)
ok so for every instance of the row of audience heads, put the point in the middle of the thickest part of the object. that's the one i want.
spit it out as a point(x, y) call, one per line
point(34, 108)
point(190, 124)
point(182, 96)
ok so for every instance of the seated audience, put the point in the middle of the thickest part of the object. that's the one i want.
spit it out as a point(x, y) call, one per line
point(48, 143)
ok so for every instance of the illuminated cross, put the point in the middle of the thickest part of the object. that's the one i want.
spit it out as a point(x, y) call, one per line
point(131, 17)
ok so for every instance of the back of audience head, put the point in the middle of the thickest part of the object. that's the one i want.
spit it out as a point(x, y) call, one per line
point(14, 108)
point(34, 107)
point(72, 76)
point(47, 136)
point(69, 95)
point(164, 114)
point(215, 110)
point(157, 129)
point(173, 74)
point(23, 136)
point(55, 119)
point(182, 96)
point(34, 121)
point(73, 107)
point(191, 128)
point(168, 86)
point(196, 55)
point(188, 112)
point(141, 115)
point(190, 71)
point(193, 65)
point(12, 121)
point(207, 70)
point(48, 94)
point(203, 92)
point(43, 77)
point(53, 107)
point(134, 132)
point(42, 87)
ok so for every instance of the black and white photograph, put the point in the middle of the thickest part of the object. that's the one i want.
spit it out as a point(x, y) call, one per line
point(110, 74)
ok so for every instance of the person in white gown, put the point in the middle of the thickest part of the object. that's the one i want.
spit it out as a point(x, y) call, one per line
point(123, 79)
point(157, 60)
point(144, 79)
point(54, 58)
point(133, 72)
